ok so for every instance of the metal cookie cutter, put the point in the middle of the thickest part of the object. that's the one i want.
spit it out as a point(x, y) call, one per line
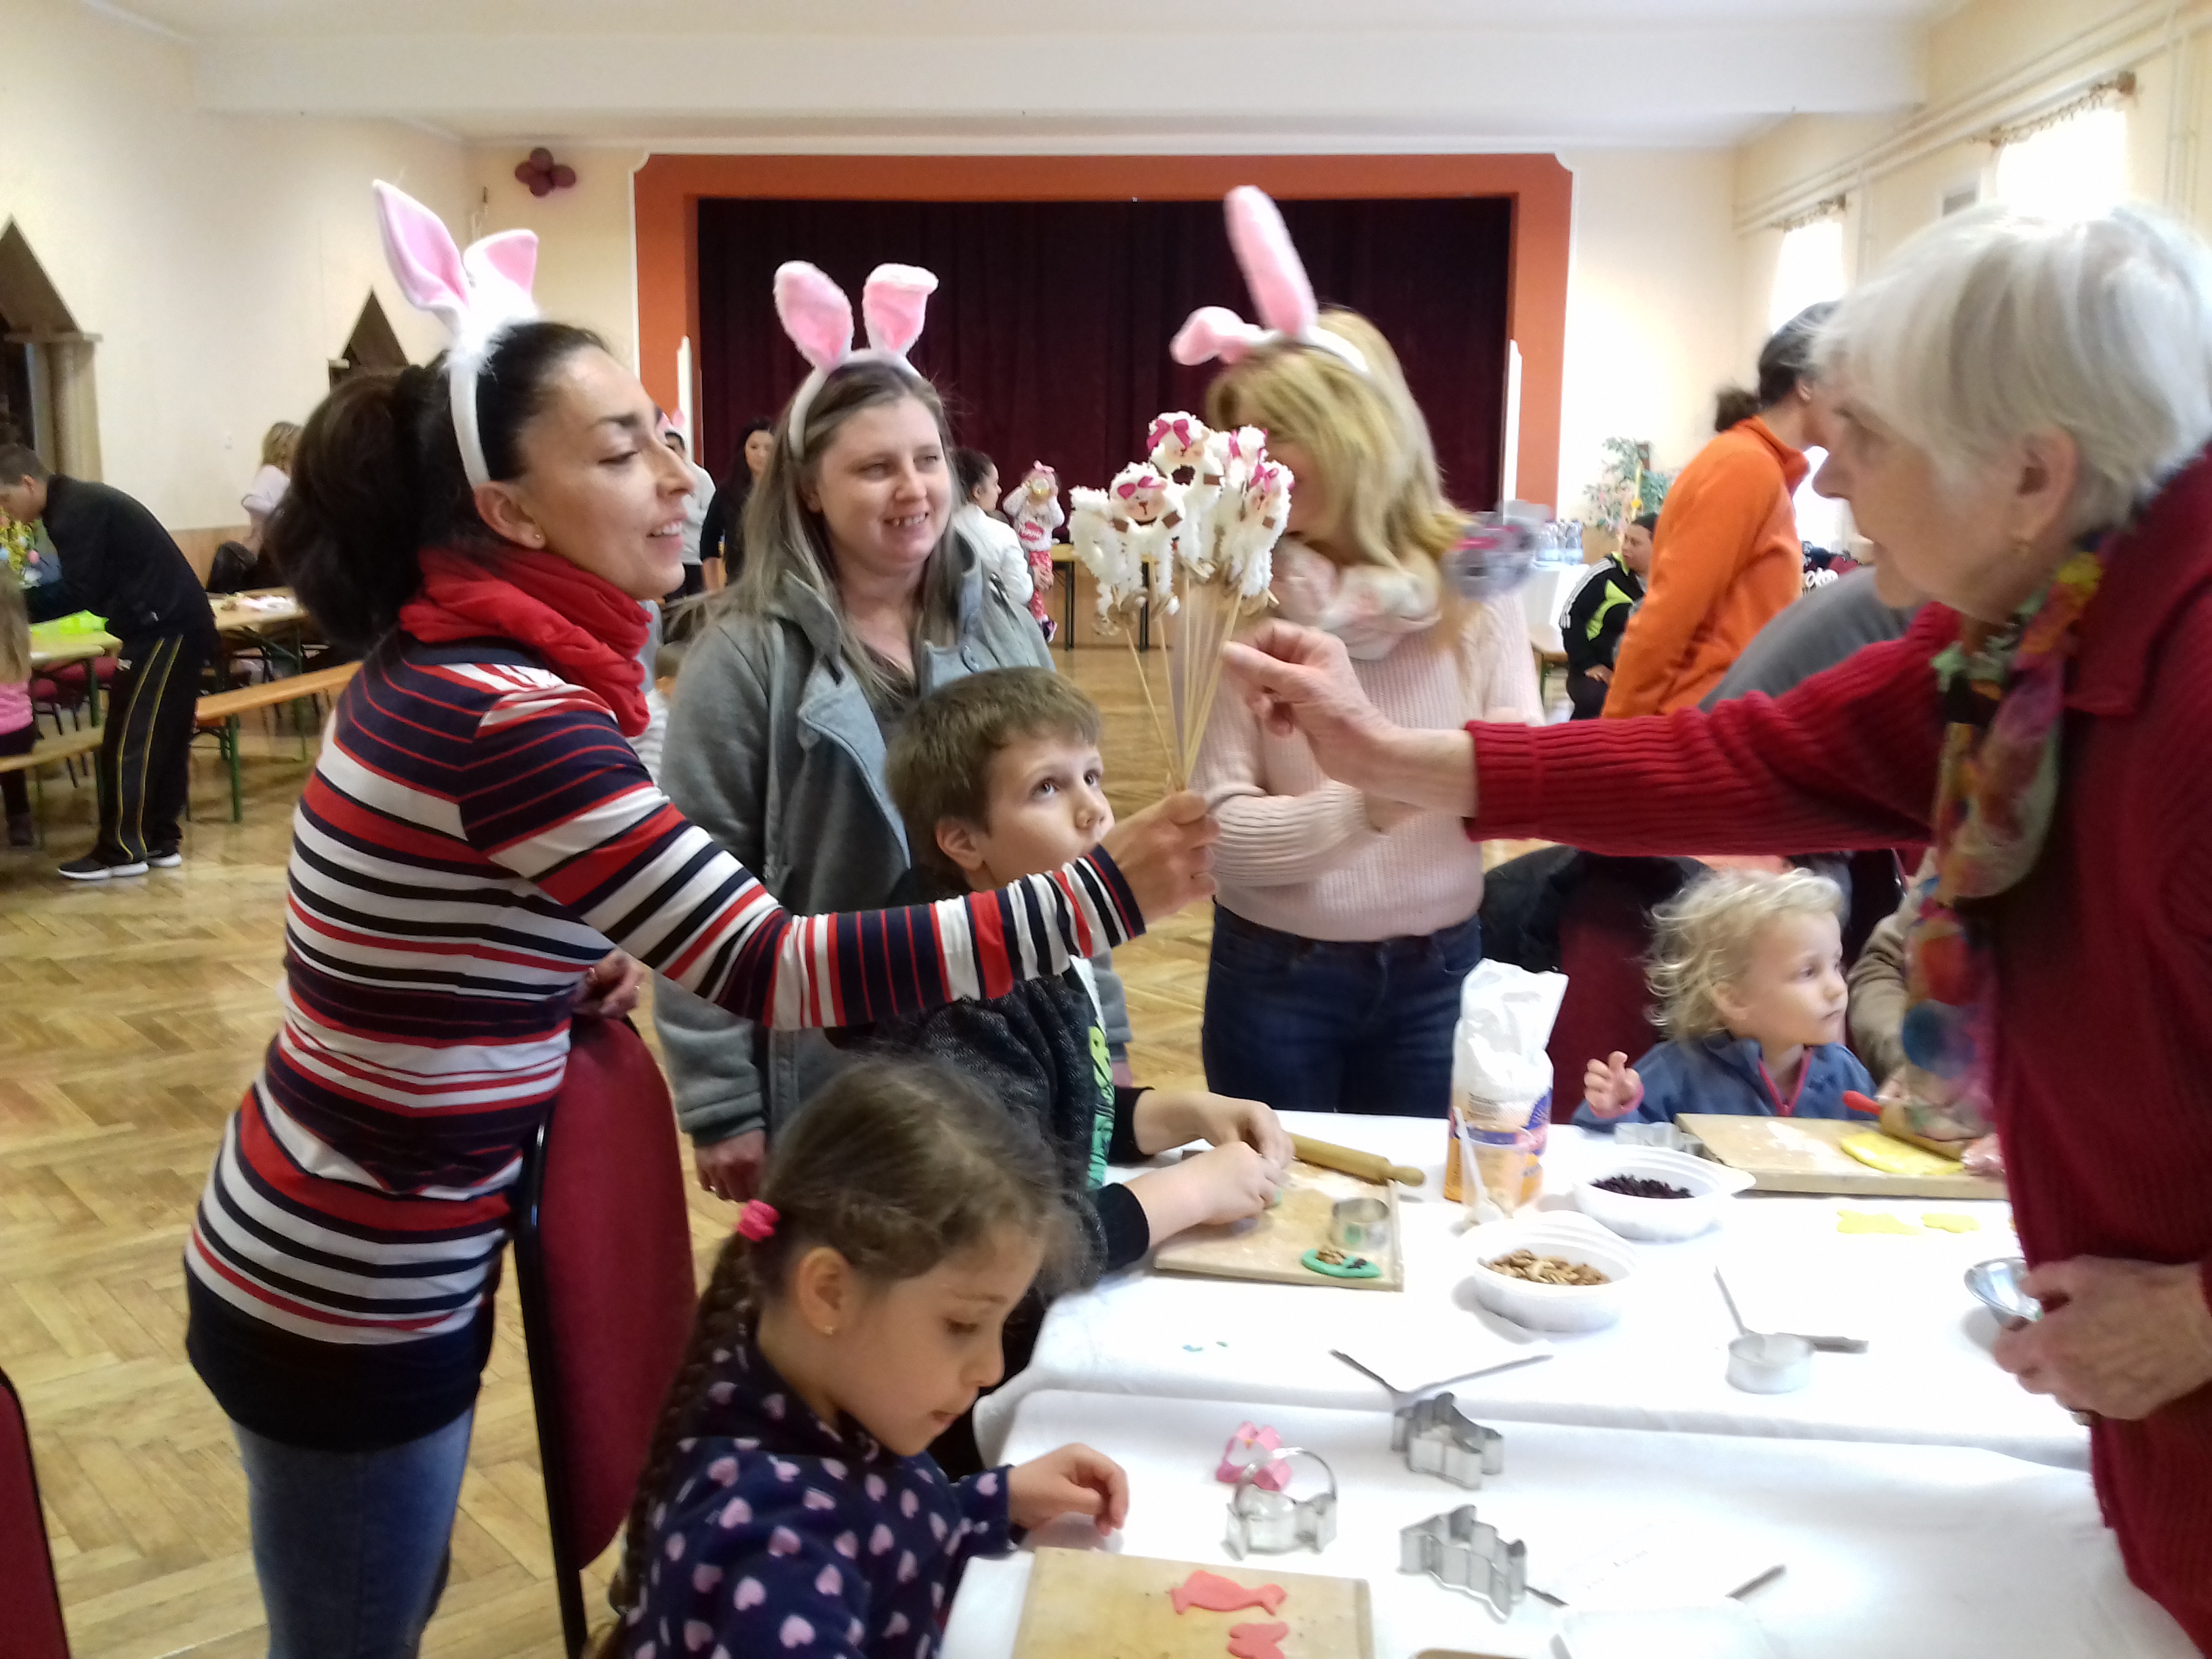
point(1263, 1522)
point(1361, 1225)
point(1439, 1438)
point(1461, 1552)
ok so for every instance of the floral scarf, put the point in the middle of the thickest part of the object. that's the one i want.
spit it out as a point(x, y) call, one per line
point(2003, 691)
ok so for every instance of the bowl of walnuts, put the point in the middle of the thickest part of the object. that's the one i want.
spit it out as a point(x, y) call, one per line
point(1552, 1271)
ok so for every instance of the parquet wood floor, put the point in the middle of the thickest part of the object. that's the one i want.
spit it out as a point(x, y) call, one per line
point(131, 1015)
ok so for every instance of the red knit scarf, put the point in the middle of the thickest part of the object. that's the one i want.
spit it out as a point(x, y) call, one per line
point(588, 631)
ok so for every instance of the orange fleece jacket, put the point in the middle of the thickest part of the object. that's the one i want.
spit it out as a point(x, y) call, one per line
point(1724, 559)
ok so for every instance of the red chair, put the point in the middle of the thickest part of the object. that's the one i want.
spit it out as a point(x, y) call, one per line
point(603, 1262)
point(30, 1601)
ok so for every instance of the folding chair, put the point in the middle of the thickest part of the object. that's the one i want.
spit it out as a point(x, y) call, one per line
point(603, 1263)
point(30, 1601)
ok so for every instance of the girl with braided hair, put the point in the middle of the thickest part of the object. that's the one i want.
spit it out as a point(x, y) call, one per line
point(789, 1502)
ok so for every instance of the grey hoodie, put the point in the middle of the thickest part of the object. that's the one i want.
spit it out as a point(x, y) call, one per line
point(774, 750)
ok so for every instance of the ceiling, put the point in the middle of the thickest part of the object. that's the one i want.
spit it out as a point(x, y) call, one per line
point(1057, 75)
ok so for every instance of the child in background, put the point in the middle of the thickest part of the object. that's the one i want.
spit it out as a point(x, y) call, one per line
point(666, 662)
point(992, 773)
point(993, 540)
point(1749, 974)
point(19, 728)
point(788, 1503)
point(1598, 615)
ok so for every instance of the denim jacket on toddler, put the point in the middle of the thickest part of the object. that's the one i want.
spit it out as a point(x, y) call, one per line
point(1725, 1075)
point(785, 1535)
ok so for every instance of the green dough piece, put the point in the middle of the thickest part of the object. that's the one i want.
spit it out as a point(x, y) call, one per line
point(1358, 1267)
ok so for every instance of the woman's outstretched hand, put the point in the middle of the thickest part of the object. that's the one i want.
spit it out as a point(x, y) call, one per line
point(1298, 680)
point(1165, 852)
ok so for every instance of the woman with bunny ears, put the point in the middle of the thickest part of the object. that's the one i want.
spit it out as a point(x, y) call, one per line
point(1345, 923)
point(475, 853)
point(857, 598)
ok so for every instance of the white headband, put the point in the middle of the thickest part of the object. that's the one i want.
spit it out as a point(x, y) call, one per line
point(478, 294)
point(1276, 278)
point(819, 318)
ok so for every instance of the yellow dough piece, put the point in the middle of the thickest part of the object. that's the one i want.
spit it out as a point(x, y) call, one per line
point(1861, 1221)
point(1951, 1223)
point(1893, 1157)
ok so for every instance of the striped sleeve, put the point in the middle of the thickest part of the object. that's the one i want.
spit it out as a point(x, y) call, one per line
point(555, 794)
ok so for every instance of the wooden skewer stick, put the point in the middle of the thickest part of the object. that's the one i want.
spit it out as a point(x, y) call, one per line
point(1368, 1166)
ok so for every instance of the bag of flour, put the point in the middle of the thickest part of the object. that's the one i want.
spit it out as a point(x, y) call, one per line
point(1501, 1090)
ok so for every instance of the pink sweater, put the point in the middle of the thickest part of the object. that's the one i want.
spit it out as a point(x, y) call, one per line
point(14, 705)
point(1297, 852)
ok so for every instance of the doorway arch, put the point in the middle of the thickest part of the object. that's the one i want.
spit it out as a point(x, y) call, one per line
point(45, 364)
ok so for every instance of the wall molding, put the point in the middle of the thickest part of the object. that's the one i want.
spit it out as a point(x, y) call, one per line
point(2132, 35)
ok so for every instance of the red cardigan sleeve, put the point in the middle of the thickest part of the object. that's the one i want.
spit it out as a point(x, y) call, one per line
point(1847, 759)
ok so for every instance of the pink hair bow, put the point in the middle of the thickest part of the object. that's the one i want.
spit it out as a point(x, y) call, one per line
point(819, 318)
point(1280, 293)
point(756, 1221)
point(478, 294)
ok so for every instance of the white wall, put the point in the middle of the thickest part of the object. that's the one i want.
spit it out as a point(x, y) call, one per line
point(221, 259)
point(1652, 306)
point(585, 270)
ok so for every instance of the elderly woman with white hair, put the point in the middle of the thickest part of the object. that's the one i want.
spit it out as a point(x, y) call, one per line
point(2022, 414)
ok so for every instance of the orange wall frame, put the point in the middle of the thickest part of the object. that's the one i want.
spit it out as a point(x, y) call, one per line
point(667, 190)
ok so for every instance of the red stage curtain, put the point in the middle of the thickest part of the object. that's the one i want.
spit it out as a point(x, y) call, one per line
point(1048, 333)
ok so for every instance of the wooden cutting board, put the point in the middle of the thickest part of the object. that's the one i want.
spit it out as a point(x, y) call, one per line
point(1269, 1247)
point(1086, 1604)
point(1806, 1155)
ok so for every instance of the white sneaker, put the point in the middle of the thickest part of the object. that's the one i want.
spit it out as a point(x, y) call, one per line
point(167, 858)
point(89, 868)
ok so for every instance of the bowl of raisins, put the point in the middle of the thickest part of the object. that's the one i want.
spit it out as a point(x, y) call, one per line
point(1657, 1197)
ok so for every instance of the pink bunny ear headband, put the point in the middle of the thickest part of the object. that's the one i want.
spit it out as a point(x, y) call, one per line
point(819, 318)
point(1276, 279)
point(478, 294)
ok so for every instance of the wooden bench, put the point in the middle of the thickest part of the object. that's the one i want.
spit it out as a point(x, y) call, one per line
point(221, 709)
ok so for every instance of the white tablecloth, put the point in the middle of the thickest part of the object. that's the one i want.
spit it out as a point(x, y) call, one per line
point(1928, 1377)
point(1935, 1553)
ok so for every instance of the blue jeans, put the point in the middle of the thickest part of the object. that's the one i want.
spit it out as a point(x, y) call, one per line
point(1313, 1025)
point(350, 1546)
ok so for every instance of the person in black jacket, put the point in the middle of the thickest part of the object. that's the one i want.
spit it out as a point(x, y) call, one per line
point(722, 533)
point(1598, 614)
point(119, 562)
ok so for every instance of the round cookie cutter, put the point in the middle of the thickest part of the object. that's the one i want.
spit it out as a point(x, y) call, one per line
point(1769, 1363)
point(1361, 1225)
point(1264, 1522)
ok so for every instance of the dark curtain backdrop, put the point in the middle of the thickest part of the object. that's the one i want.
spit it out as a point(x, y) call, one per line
point(1048, 333)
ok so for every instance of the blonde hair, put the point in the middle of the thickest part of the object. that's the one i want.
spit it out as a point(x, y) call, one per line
point(15, 630)
point(278, 444)
point(1706, 935)
point(1365, 435)
point(787, 541)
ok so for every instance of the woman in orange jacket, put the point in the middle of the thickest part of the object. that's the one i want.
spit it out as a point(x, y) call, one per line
point(1727, 556)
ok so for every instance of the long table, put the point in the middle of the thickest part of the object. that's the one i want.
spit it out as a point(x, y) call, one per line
point(1885, 1550)
point(1926, 1379)
point(51, 647)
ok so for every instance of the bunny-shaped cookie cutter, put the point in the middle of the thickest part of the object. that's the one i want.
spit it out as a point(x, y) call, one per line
point(819, 318)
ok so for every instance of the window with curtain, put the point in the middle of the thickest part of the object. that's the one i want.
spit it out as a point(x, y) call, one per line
point(2067, 168)
point(1810, 269)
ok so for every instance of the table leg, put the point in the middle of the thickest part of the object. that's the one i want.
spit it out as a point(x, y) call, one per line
point(1069, 607)
point(237, 787)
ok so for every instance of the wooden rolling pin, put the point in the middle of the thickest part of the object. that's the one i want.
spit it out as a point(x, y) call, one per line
point(1368, 1166)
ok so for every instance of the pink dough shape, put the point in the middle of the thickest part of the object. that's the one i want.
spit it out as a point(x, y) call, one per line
point(1215, 1594)
point(1257, 1641)
point(1251, 1445)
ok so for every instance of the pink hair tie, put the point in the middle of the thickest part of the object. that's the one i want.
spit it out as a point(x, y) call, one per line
point(756, 1221)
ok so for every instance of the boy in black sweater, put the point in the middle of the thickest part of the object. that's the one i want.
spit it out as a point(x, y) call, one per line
point(997, 775)
point(117, 563)
point(1598, 616)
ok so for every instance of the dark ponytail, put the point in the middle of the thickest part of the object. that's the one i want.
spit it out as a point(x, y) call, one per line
point(1786, 359)
point(378, 477)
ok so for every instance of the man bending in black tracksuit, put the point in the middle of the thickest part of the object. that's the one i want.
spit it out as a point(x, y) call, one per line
point(117, 563)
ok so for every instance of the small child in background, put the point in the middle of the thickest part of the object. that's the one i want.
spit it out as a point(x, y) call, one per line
point(788, 1503)
point(19, 727)
point(666, 662)
point(998, 774)
point(1749, 974)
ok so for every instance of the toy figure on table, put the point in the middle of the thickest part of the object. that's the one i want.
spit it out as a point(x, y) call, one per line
point(1748, 971)
point(1032, 507)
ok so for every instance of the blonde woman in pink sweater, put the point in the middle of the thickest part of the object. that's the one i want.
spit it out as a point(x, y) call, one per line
point(1345, 924)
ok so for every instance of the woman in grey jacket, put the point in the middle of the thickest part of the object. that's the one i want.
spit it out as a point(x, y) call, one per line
point(856, 600)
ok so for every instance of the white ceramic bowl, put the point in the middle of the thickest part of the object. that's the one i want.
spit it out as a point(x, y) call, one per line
point(1660, 1220)
point(1551, 1307)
